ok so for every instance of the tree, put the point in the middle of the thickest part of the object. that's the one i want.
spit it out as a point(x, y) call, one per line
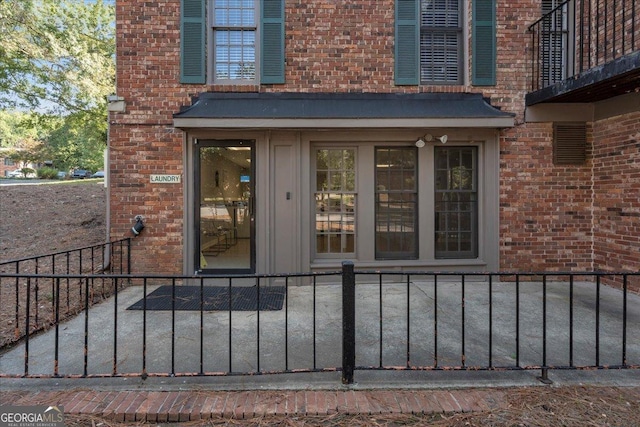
point(56, 55)
point(29, 151)
point(14, 128)
point(57, 60)
point(74, 143)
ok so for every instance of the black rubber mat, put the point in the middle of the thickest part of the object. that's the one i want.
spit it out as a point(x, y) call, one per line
point(213, 298)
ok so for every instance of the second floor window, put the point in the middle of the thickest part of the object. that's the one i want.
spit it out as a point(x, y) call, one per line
point(441, 51)
point(223, 41)
point(431, 47)
point(234, 39)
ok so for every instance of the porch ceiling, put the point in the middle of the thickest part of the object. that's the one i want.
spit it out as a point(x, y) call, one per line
point(341, 110)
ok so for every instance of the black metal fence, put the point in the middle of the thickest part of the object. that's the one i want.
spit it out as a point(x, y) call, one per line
point(342, 321)
point(578, 35)
point(34, 286)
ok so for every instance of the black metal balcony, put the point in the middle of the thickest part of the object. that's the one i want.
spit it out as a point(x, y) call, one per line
point(585, 51)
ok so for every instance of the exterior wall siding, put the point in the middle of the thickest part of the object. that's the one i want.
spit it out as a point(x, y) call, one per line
point(547, 212)
point(616, 173)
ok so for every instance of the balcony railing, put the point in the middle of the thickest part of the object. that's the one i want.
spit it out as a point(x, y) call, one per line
point(579, 35)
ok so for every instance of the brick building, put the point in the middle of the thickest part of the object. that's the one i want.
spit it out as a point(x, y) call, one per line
point(285, 136)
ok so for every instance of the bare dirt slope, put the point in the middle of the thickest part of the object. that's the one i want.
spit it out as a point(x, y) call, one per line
point(52, 217)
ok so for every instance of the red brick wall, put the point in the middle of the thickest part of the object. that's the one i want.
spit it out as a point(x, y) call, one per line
point(143, 140)
point(616, 172)
point(546, 216)
point(336, 46)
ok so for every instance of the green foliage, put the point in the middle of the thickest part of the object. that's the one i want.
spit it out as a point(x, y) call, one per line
point(56, 55)
point(47, 173)
point(57, 61)
point(14, 128)
point(27, 151)
point(28, 172)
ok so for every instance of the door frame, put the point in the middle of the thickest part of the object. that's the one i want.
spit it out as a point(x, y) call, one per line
point(227, 142)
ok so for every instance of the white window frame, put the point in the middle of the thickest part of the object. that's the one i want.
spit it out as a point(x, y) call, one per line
point(211, 51)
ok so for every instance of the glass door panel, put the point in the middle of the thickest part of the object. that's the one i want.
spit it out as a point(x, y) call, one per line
point(225, 235)
point(396, 206)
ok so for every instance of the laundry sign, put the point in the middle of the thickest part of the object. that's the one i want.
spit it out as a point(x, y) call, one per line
point(165, 179)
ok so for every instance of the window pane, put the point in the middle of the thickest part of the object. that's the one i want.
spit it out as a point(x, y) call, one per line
point(222, 71)
point(349, 181)
point(455, 204)
point(396, 203)
point(235, 51)
point(222, 37)
point(334, 159)
point(321, 180)
point(335, 243)
point(321, 159)
point(441, 42)
point(221, 17)
point(349, 243)
point(249, 38)
point(235, 55)
point(248, 17)
point(335, 201)
point(235, 17)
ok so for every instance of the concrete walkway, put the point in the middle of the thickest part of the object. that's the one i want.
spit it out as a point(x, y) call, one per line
point(395, 325)
point(313, 321)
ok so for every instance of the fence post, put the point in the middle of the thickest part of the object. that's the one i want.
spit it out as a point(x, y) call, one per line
point(348, 322)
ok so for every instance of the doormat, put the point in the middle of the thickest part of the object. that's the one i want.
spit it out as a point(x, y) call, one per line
point(215, 298)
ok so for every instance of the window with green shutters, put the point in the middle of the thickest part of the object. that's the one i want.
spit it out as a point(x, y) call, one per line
point(441, 47)
point(234, 41)
point(429, 45)
point(246, 41)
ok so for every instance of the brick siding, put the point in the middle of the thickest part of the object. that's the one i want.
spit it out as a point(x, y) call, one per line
point(547, 212)
point(616, 172)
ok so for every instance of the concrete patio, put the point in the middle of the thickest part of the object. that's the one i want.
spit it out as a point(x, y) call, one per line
point(252, 342)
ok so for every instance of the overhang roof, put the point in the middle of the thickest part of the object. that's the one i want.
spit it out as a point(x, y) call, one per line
point(341, 110)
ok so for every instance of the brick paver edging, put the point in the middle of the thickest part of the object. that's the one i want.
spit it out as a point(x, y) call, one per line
point(192, 405)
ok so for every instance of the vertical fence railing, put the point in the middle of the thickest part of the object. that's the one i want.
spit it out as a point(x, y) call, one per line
point(578, 35)
point(422, 321)
point(348, 322)
point(530, 293)
point(41, 299)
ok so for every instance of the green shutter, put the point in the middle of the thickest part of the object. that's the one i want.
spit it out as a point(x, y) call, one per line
point(407, 47)
point(272, 37)
point(484, 43)
point(192, 41)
